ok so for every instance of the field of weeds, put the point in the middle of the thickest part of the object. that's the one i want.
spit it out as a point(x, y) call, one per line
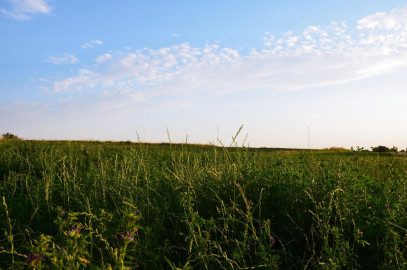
point(73, 205)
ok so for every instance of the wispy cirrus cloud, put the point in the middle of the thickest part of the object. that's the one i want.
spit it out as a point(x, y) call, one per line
point(25, 9)
point(65, 58)
point(91, 44)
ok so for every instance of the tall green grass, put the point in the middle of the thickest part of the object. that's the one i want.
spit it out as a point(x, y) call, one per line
point(70, 205)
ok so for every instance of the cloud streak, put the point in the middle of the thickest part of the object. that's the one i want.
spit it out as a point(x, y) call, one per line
point(25, 9)
point(91, 44)
point(65, 58)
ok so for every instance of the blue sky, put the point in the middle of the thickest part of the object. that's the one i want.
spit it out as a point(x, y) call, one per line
point(100, 70)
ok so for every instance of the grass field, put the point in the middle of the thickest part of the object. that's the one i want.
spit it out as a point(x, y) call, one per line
point(70, 205)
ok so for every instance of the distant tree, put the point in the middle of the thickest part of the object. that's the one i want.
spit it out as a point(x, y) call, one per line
point(394, 149)
point(381, 149)
point(10, 136)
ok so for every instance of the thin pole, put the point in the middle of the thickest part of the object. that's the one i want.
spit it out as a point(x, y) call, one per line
point(217, 136)
point(308, 138)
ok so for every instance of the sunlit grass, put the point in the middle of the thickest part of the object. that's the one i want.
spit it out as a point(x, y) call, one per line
point(122, 205)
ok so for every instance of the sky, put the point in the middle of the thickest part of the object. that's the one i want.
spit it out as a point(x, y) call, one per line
point(331, 73)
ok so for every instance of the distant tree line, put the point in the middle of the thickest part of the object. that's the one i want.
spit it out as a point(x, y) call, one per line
point(384, 149)
point(379, 149)
point(10, 136)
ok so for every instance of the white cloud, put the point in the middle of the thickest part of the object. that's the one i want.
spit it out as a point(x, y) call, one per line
point(63, 59)
point(103, 58)
point(24, 9)
point(317, 56)
point(91, 44)
point(393, 20)
point(85, 78)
